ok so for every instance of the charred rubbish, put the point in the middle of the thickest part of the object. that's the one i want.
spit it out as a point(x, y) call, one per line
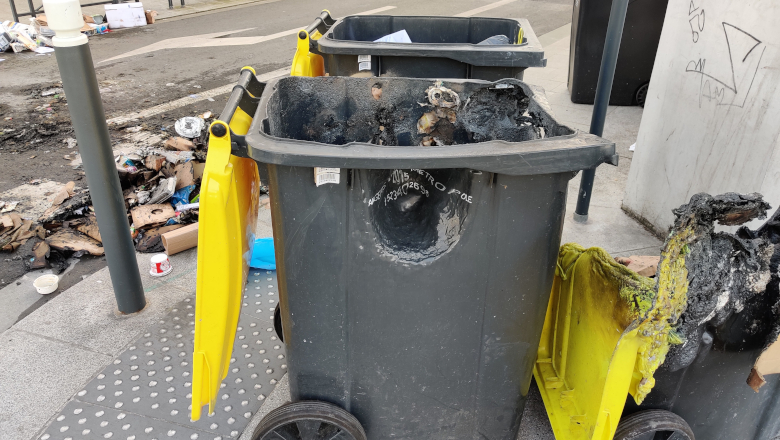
point(406, 112)
point(727, 273)
point(722, 294)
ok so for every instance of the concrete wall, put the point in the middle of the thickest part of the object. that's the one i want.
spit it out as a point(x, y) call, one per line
point(712, 118)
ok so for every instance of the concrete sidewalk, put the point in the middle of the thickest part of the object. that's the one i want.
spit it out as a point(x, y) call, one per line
point(67, 370)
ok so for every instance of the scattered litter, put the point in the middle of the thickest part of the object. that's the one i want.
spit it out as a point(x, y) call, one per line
point(211, 99)
point(163, 192)
point(494, 40)
point(41, 251)
point(150, 240)
point(645, 266)
point(205, 115)
point(71, 142)
point(125, 15)
point(46, 284)
point(180, 239)
point(170, 84)
point(396, 37)
point(53, 91)
point(150, 16)
point(632, 147)
point(178, 143)
point(182, 195)
point(126, 164)
point(156, 214)
point(65, 193)
point(184, 176)
point(7, 206)
point(71, 240)
point(189, 126)
point(187, 207)
point(263, 256)
point(160, 266)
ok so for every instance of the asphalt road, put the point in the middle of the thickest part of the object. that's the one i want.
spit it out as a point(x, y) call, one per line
point(139, 81)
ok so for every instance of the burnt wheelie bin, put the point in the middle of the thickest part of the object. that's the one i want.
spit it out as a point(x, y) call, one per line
point(416, 226)
point(682, 346)
point(723, 382)
point(440, 47)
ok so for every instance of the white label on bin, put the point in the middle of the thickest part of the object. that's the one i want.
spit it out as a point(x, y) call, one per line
point(326, 175)
point(364, 62)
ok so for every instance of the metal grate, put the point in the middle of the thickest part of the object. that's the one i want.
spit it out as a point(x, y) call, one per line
point(145, 392)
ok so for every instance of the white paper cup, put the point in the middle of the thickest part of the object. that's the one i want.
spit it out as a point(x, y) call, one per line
point(46, 284)
point(160, 266)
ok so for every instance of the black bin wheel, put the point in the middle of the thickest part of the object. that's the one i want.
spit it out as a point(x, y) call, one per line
point(309, 420)
point(654, 424)
point(641, 94)
point(278, 323)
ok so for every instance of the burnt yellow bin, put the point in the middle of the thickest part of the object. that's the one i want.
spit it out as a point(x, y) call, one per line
point(606, 331)
point(229, 194)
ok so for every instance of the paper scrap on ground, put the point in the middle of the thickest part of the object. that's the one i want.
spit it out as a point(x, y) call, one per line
point(632, 147)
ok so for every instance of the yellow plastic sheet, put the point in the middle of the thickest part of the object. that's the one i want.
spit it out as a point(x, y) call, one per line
point(229, 195)
point(603, 338)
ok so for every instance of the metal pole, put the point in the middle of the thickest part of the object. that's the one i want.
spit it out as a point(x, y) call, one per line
point(617, 18)
point(89, 122)
point(14, 14)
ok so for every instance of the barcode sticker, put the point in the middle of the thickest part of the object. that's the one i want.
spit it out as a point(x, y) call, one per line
point(364, 62)
point(326, 175)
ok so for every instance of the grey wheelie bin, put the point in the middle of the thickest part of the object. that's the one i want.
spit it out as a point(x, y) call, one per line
point(416, 226)
point(441, 47)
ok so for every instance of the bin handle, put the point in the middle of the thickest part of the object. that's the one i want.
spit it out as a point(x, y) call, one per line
point(322, 23)
point(245, 95)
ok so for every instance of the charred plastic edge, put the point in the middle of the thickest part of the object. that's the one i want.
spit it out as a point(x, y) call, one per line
point(527, 55)
point(573, 152)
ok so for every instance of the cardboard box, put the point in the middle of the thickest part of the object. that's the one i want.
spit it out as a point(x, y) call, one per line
point(150, 16)
point(125, 15)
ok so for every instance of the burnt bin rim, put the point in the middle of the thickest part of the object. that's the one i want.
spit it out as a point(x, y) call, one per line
point(564, 153)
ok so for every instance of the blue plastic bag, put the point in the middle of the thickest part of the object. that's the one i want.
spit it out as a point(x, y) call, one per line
point(263, 256)
point(182, 196)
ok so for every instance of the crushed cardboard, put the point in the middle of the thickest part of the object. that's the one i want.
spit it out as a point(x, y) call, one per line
point(154, 162)
point(65, 193)
point(177, 143)
point(647, 266)
point(18, 235)
point(89, 227)
point(71, 240)
point(145, 215)
point(185, 175)
point(151, 240)
point(41, 252)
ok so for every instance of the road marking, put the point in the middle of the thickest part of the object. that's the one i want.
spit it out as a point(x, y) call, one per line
point(162, 108)
point(485, 8)
point(212, 39)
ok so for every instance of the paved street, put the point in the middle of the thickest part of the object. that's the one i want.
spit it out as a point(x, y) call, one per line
point(215, 63)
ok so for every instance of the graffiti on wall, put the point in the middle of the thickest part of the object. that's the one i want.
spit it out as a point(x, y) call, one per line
point(727, 61)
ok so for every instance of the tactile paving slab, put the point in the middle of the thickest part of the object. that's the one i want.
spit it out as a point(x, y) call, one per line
point(150, 381)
